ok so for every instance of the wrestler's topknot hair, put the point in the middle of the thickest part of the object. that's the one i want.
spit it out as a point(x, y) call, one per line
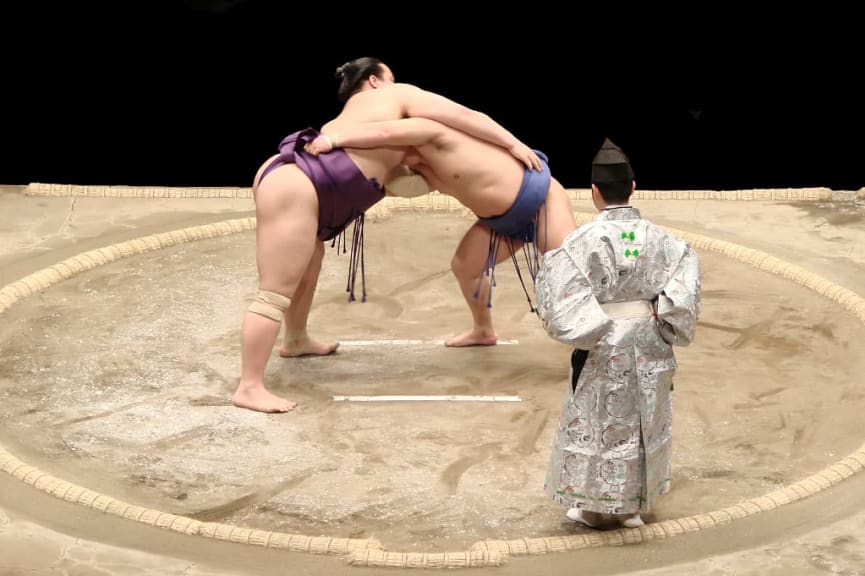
point(353, 73)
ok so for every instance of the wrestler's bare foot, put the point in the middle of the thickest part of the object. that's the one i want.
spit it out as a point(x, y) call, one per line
point(474, 337)
point(258, 398)
point(307, 347)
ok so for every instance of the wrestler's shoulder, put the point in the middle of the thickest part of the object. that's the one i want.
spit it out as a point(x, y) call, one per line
point(403, 88)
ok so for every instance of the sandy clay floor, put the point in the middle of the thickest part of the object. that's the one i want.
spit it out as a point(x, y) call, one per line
point(115, 383)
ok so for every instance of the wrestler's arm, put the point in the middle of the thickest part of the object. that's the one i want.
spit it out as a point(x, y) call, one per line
point(418, 103)
point(405, 132)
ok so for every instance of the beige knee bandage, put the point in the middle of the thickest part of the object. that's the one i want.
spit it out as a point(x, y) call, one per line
point(270, 305)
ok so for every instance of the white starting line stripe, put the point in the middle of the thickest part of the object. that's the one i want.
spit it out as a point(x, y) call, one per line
point(409, 398)
point(409, 342)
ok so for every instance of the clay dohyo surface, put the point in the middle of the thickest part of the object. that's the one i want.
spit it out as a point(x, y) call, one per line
point(123, 387)
point(125, 372)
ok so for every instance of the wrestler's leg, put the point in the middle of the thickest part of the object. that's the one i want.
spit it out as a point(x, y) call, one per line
point(296, 341)
point(469, 265)
point(286, 214)
point(555, 218)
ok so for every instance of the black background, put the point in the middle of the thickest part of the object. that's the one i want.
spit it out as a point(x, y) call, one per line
point(200, 92)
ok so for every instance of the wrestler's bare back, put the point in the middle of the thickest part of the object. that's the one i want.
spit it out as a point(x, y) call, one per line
point(366, 106)
point(385, 103)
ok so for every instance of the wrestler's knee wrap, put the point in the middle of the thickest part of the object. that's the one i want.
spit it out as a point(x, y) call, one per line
point(269, 304)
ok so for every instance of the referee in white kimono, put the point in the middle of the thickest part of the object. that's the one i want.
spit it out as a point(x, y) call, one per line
point(622, 291)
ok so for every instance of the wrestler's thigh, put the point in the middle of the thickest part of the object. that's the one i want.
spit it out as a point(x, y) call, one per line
point(473, 250)
point(286, 211)
point(507, 246)
point(556, 219)
point(470, 256)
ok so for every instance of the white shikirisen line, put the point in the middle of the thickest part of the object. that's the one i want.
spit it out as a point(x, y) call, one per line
point(406, 342)
point(430, 398)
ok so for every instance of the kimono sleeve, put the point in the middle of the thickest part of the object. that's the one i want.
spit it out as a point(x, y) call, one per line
point(565, 302)
point(679, 304)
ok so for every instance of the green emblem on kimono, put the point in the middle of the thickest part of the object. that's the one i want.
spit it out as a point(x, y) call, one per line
point(629, 237)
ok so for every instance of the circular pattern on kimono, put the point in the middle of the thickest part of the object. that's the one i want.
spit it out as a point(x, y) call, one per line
point(618, 438)
point(619, 402)
point(580, 432)
point(614, 472)
point(618, 367)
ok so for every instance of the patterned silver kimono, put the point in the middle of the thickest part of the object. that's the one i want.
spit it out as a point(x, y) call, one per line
point(624, 290)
